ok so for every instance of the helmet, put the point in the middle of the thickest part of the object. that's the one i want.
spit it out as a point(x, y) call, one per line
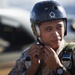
point(47, 11)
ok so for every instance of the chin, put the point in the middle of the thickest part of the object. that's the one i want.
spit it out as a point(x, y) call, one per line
point(56, 46)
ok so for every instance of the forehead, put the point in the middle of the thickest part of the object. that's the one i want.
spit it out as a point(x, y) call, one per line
point(51, 23)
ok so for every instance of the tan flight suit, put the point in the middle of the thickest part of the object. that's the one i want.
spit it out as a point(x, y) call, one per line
point(20, 67)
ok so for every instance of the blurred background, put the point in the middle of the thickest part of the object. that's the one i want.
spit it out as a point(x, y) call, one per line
point(15, 29)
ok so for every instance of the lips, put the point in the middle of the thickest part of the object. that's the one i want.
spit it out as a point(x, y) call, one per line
point(55, 40)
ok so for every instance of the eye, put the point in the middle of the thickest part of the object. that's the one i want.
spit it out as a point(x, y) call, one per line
point(48, 29)
point(59, 26)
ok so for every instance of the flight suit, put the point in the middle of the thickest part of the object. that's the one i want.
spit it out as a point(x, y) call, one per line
point(20, 67)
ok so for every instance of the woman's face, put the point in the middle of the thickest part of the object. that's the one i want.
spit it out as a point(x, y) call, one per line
point(52, 33)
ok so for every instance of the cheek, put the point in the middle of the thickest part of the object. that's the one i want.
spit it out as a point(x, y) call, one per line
point(61, 33)
point(45, 37)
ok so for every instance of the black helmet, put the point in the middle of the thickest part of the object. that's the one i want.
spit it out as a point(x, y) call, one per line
point(47, 11)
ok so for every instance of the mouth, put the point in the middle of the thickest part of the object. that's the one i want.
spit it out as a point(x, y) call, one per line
point(55, 41)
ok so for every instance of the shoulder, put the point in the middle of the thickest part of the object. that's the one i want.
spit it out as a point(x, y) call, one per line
point(24, 53)
point(71, 45)
point(70, 48)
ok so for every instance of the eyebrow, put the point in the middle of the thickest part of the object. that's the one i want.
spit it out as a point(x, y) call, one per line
point(48, 26)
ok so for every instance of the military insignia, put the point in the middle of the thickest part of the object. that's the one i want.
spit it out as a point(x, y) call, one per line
point(52, 15)
point(66, 61)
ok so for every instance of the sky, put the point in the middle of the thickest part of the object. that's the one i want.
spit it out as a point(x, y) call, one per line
point(69, 5)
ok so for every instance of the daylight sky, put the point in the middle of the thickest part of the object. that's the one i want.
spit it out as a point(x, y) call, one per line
point(69, 5)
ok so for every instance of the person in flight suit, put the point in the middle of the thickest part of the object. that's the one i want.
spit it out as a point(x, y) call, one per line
point(49, 54)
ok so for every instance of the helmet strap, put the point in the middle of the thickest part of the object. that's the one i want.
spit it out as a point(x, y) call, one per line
point(37, 30)
point(39, 41)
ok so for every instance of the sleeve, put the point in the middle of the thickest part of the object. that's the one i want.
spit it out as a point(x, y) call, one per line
point(19, 68)
point(74, 61)
point(74, 56)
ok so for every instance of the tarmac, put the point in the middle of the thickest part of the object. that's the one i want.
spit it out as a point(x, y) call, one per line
point(7, 61)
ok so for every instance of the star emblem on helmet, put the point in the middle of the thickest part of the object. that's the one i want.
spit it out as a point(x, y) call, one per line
point(52, 15)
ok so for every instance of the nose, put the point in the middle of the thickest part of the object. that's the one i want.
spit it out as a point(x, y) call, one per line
point(55, 33)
